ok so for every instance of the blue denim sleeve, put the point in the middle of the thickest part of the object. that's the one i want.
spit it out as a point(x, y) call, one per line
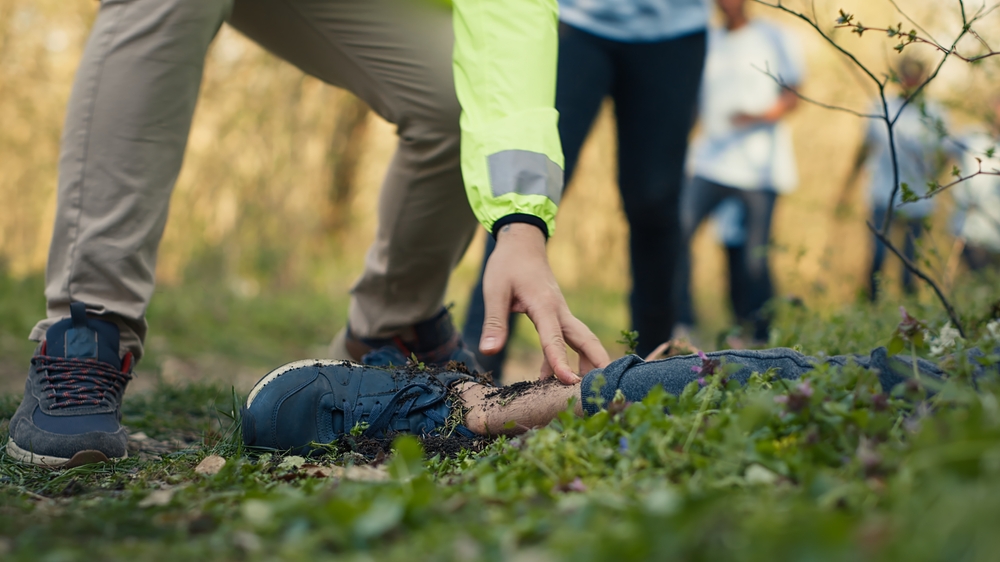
point(635, 377)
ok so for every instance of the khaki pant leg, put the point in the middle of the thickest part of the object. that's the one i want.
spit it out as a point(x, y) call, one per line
point(395, 55)
point(123, 141)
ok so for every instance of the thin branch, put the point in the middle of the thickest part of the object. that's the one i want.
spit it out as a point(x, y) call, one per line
point(979, 38)
point(822, 33)
point(888, 118)
point(887, 221)
point(937, 190)
point(784, 86)
point(919, 273)
point(909, 19)
point(949, 51)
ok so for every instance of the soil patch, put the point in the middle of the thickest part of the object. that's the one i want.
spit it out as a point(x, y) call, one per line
point(377, 449)
point(519, 388)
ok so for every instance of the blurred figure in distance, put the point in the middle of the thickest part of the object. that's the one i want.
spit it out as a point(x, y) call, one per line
point(976, 219)
point(920, 158)
point(744, 150)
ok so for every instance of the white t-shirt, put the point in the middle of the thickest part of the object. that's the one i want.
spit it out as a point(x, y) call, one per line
point(746, 157)
point(634, 21)
point(977, 200)
point(919, 154)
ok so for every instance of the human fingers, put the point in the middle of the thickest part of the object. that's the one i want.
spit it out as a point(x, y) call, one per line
point(546, 371)
point(585, 343)
point(550, 333)
point(496, 298)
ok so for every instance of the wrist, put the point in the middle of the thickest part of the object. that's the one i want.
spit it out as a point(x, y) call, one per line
point(522, 220)
point(520, 233)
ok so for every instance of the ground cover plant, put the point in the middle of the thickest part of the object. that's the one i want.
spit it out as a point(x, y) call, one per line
point(828, 468)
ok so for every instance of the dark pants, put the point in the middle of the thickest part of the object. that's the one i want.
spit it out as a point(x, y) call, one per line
point(914, 229)
point(979, 258)
point(750, 285)
point(655, 88)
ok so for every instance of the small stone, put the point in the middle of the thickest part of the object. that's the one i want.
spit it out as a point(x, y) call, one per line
point(247, 541)
point(757, 474)
point(210, 465)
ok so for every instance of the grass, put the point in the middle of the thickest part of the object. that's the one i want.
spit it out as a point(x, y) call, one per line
point(848, 472)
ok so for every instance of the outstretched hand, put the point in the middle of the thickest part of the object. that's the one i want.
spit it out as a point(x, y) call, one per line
point(518, 279)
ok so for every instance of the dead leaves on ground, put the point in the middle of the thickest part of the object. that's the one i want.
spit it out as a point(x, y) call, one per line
point(295, 468)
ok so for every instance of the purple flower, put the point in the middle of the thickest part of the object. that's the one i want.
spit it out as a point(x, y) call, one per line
point(805, 389)
point(707, 367)
point(909, 326)
point(781, 399)
point(576, 486)
point(702, 381)
point(622, 445)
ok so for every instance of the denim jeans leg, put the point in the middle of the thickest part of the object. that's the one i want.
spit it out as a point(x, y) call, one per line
point(636, 378)
point(914, 230)
point(878, 254)
point(759, 206)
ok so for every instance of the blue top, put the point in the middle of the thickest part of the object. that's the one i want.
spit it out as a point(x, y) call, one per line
point(636, 21)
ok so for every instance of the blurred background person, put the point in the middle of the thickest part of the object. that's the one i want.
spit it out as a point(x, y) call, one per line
point(729, 221)
point(976, 219)
point(919, 155)
point(743, 150)
point(647, 55)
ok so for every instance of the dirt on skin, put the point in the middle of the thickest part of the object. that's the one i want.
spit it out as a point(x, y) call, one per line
point(504, 393)
point(449, 367)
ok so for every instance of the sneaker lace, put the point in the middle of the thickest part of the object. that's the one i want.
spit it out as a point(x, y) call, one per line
point(79, 382)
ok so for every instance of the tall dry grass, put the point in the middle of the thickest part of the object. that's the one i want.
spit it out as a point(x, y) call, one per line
point(250, 203)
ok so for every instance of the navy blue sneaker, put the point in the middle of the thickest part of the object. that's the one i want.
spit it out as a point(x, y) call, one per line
point(433, 342)
point(316, 401)
point(71, 411)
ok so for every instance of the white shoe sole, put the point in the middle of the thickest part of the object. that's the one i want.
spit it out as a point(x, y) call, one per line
point(81, 458)
point(287, 367)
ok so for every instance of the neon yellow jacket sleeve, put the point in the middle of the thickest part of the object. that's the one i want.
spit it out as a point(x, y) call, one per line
point(505, 77)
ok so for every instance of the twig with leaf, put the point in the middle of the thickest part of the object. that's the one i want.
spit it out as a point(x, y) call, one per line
point(890, 118)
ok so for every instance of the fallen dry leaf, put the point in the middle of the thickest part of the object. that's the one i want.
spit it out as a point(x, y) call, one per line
point(315, 470)
point(211, 464)
point(361, 473)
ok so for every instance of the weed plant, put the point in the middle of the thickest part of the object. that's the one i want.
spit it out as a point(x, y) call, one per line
point(831, 467)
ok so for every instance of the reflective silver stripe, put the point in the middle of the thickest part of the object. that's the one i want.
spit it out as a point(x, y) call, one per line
point(526, 173)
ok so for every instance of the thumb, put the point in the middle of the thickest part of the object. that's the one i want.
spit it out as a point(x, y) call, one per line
point(497, 302)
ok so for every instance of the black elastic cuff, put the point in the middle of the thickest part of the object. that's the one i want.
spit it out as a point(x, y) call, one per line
point(520, 217)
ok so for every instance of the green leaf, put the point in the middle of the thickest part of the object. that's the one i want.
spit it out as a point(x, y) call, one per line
point(408, 460)
point(896, 345)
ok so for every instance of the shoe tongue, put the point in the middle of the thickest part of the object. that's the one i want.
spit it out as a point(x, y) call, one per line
point(80, 337)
